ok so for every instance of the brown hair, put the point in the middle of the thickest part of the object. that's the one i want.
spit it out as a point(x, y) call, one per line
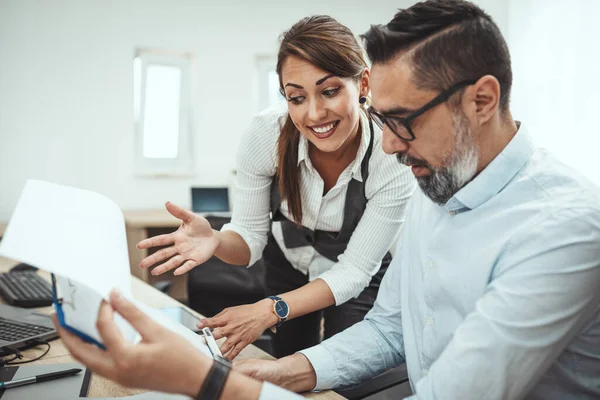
point(451, 41)
point(332, 47)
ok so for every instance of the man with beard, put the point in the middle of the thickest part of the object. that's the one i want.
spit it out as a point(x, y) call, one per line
point(495, 289)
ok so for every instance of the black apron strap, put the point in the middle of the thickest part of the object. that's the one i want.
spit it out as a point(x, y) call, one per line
point(329, 244)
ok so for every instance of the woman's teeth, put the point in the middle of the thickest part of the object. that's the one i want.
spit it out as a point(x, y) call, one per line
point(324, 129)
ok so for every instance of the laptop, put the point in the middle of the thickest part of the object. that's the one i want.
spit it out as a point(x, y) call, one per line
point(21, 328)
point(211, 201)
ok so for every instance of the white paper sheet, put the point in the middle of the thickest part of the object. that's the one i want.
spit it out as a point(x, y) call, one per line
point(72, 232)
point(80, 236)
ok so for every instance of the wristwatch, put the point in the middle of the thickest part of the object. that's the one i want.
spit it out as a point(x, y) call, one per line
point(281, 310)
point(214, 383)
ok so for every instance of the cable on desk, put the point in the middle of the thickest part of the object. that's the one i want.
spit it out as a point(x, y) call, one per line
point(18, 355)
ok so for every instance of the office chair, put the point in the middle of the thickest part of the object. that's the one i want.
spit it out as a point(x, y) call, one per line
point(388, 379)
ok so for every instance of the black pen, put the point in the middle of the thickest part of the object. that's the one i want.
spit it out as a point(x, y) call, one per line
point(39, 378)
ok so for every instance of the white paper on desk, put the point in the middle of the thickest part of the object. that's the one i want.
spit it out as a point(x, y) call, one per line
point(80, 236)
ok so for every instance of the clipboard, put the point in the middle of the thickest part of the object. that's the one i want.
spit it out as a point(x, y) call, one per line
point(77, 301)
point(61, 317)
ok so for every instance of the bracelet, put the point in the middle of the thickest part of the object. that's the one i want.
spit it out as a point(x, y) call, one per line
point(214, 383)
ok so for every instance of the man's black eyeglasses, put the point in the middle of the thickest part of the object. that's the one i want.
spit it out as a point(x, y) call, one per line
point(401, 127)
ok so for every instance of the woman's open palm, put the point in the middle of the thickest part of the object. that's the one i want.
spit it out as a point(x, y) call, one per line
point(192, 244)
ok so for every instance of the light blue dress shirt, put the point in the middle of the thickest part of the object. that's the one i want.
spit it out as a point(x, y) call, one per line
point(495, 295)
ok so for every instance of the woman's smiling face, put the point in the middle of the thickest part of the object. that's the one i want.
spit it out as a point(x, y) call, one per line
point(323, 107)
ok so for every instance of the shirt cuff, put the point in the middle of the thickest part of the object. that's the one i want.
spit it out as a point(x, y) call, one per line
point(324, 365)
point(253, 245)
point(272, 392)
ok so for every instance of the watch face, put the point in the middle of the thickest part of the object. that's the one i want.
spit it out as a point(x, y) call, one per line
point(281, 309)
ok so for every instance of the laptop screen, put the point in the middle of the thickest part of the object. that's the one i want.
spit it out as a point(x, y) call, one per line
point(210, 200)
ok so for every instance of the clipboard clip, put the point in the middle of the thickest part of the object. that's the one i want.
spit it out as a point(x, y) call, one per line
point(55, 299)
point(60, 315)
point(211, 343)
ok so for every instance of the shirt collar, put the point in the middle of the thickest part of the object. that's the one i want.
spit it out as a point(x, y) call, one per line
point(496, 175)
point(302, 149)
point(362, 149)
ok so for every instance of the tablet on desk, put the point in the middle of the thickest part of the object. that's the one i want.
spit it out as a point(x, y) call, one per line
point(183, 316)
point(189, 320)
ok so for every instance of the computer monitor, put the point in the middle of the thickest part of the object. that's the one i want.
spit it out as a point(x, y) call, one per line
point(210, 199)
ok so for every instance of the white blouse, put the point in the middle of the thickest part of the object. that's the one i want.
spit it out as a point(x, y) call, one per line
point(388, 188)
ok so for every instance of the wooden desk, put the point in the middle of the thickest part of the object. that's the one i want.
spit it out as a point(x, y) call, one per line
point(140, 225)
point(100, 387)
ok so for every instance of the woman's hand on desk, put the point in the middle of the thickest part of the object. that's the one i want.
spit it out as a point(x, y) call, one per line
point(192, 244)
point(162, 361)
point(241, 325)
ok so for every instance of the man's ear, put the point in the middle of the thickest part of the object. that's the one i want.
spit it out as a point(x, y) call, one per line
point(483, 98)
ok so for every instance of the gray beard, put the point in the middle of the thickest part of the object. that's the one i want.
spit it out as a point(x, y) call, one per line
point(460, 165)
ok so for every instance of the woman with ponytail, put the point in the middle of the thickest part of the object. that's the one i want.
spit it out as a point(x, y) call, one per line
point(317, 199)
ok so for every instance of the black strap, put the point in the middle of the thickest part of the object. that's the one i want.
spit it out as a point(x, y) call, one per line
point(214, 383)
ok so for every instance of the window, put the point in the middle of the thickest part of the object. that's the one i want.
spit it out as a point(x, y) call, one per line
point(161, 87)
point(268, 82)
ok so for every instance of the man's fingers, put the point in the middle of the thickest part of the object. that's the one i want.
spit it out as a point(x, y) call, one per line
point(159, 256)
point(169, 265)
point(97, 360)
point(186, 267)
point(180, 213)
point(160, 240)
point(109, 331)
point(140, 321)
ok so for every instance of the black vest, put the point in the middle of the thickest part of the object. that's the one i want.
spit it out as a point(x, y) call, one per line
point(328, 244)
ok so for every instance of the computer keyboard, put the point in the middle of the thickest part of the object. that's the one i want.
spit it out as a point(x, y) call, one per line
point(25, 289)
point(12, 331)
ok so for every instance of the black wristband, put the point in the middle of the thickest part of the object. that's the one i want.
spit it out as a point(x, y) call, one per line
point(214, 383)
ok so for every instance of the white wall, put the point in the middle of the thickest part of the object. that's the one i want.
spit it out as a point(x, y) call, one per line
point(66, 84)
point(556, 61)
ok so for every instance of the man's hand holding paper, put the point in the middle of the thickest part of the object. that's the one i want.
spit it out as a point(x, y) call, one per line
point(79, 236)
